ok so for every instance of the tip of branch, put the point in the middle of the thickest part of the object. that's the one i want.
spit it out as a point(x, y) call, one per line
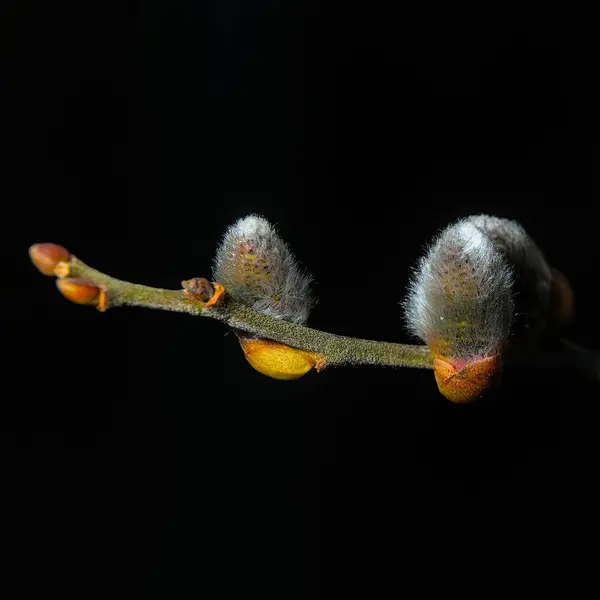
point(48, 257)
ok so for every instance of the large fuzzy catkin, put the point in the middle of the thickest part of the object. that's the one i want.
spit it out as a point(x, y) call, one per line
point(459, 301)
point(258, 269)
point(482, 280)
point(532, 275)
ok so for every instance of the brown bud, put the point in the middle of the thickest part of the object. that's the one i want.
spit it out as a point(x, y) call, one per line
point(199, 288)
point(78, 290)
point(47, 256)
point(463, 383)
point(562, 301)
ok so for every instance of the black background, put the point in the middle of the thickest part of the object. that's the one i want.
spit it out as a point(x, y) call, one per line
point(141, 454)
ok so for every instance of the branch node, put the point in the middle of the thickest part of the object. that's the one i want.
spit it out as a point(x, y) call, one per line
point(321, 362)
point(198, 288)
point(217, 296)
point(62, 269)
point(103, 299)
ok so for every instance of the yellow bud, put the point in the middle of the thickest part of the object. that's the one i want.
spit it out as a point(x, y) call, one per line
point(463, 383)
point(46, 257)
point(79, 291)
point(278, 360)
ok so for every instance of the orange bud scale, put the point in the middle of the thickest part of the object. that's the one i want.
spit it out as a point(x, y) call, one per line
point(47, 256)
point(78, 290)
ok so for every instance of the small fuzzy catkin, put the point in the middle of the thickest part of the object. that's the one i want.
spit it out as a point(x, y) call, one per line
point(258, 269)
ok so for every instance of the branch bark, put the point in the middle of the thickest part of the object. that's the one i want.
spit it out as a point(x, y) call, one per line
point(336, 350)
point(202, 298)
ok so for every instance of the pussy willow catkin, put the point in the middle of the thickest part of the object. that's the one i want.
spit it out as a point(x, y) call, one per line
point(258, 269)
point(482, 283)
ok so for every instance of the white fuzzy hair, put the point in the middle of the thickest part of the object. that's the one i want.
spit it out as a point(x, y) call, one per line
point(258, 269)
point(461, 293)
point(532, 274)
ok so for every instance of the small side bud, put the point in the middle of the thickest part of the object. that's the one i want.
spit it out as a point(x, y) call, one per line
point(199, 288)
point(278, 360)
point(79, 291)
point(46, 257)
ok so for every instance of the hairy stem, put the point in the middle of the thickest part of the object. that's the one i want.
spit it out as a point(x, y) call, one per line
point(124, 293)
point(335, 349)
point(201, 298)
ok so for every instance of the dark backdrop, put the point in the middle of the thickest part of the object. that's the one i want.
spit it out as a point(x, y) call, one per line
point(141, 454)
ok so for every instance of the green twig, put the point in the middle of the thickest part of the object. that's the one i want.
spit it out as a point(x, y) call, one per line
point(335, 349)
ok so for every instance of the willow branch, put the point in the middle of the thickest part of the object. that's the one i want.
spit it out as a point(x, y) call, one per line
point(85, 285)
point(336, 350)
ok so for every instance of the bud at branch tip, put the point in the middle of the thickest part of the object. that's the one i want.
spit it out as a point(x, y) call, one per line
point(48, 257)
